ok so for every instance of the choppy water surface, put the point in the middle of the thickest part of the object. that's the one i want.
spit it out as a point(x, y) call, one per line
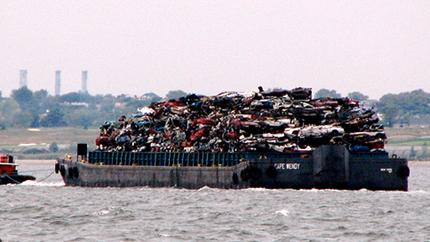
point(49, 211)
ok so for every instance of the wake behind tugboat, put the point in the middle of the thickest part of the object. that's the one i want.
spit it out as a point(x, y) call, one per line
point(277, 139)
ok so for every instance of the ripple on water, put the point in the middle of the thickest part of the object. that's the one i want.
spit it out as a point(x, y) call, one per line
point(50, 211)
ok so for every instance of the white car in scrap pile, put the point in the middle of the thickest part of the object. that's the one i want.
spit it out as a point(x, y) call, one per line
point(321, 130)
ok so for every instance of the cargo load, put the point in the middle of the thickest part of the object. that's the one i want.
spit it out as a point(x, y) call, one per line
point(279, 120)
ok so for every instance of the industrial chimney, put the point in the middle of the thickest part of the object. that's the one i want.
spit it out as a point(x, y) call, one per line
point(57, 83)
point(22, 78)
point(84, 81)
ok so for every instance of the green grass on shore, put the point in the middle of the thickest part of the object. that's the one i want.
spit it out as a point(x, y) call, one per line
point(16, 141)
point(419, 142)
point(408, 136)
point(17, 136)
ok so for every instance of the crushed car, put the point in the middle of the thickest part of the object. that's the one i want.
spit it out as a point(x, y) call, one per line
point(277, 120)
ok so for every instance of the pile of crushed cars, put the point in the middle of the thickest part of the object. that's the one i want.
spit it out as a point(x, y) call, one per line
point(280, 120)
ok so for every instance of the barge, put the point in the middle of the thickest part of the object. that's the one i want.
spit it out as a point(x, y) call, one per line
point(9, 172)
point(327, 167)
point(275, 139)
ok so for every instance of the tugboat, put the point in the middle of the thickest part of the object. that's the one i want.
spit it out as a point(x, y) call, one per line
point(9, 173)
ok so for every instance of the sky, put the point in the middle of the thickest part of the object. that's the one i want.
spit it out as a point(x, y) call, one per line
point(206, 47)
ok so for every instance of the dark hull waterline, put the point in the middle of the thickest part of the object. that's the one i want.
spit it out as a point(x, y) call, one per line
point(329, 166)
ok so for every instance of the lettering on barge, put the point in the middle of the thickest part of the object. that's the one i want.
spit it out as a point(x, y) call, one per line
point(387, 170)
point(287, 166)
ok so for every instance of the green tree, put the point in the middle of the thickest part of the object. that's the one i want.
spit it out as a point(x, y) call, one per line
point(54, 118)
point(84, 117)
point(53, 147)
point(327, 93)
point(8, 109)
point(76, 97)
point(358, 96)
point(24, 97)
point(144, 100)
point(176, 94)
point(412, 153)
point(389, 115)
point(40, 95)
point(424, 152)
point(405, 107)
point(35, 122)
point(23, 119)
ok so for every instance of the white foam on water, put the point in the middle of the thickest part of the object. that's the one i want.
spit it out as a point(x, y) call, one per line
point(258, 189)
point(36, 183)
point(284, 212)
point(419, 191)
point(103, 212)
point(205, 188)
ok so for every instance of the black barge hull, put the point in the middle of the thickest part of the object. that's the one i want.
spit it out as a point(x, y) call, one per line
point(328, 167)
point(15, 179)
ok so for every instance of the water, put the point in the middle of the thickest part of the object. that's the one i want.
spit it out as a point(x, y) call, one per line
point(49, 211)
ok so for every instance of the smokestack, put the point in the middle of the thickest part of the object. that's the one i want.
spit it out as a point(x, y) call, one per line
point(84, 81)
point(22, 78)
point(57, 83)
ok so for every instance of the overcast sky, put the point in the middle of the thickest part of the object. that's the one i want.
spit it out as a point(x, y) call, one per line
point(206, 47)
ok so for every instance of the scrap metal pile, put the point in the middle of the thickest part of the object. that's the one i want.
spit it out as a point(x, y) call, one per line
point(280, 120)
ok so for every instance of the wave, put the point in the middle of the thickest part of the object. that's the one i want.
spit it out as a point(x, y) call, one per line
point(284, 212)
point(206, 188)
point(37, 183)
point(419, 191)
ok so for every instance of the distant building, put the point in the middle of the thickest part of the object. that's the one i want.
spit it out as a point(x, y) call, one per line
point(57, 83)
point(84, 81)
point(22, 78)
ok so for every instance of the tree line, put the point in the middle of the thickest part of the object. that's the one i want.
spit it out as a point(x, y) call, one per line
point(33, 109)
